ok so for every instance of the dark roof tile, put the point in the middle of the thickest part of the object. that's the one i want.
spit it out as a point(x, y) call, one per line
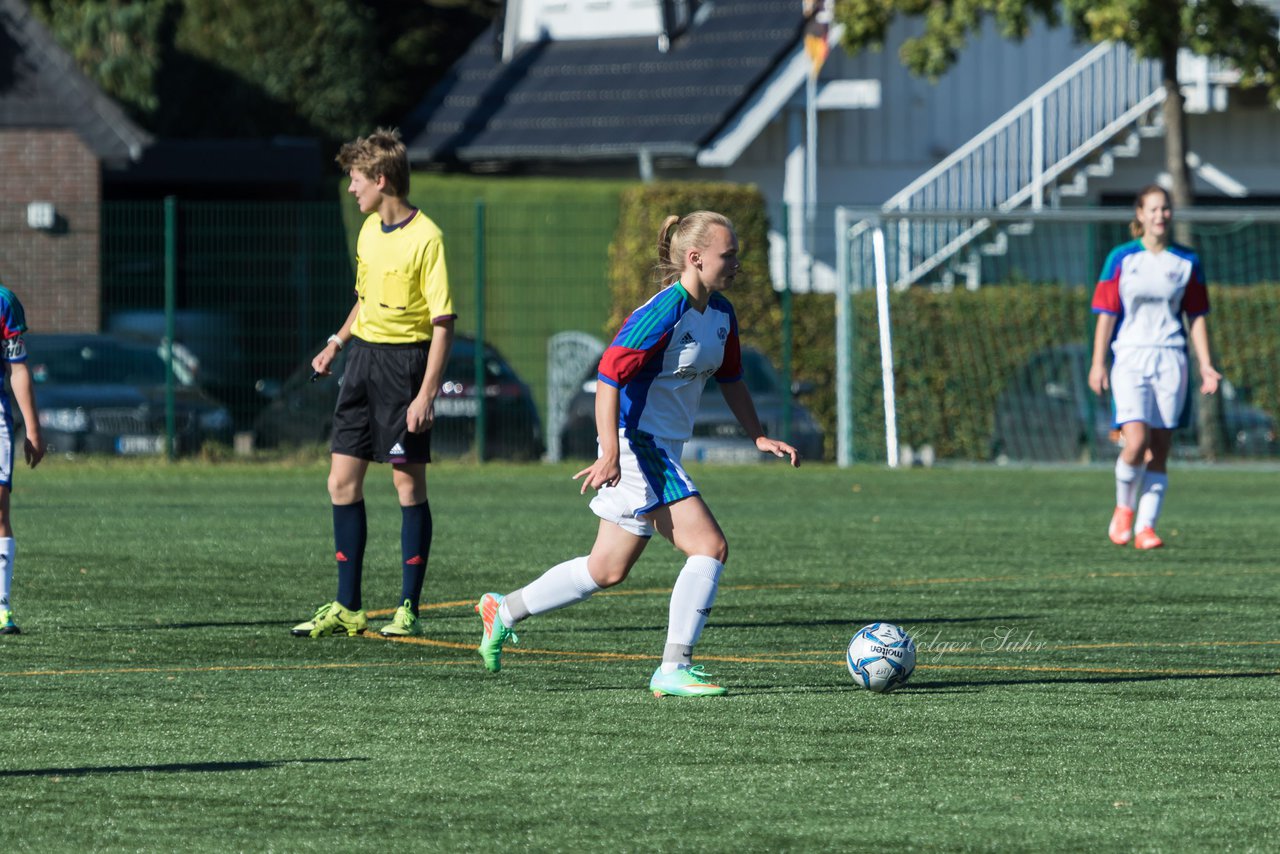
point(604, 97)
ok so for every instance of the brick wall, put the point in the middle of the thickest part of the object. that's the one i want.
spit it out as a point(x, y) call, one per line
point(55, 273)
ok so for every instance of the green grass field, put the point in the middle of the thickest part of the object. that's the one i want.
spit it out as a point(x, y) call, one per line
point(1069, 695)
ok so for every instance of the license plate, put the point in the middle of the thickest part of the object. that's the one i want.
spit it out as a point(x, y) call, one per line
point(456, 407)
point(140, 444)
point(722, 452)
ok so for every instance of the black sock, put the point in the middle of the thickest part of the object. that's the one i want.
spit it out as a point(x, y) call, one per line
point(350, 531)
point(415, 548)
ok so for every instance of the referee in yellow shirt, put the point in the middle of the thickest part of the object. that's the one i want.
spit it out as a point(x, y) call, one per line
point(399, 331)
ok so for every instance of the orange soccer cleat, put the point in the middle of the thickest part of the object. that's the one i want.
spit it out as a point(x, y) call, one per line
point(1121, 528)
point(1147, 539)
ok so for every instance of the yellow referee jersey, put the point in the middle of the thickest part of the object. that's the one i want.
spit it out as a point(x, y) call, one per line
point(401, 281)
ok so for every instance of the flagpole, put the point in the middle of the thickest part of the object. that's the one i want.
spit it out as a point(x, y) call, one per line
point(817, 28)
point(810, 172)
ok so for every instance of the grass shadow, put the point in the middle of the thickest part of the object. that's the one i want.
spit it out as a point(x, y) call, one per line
point(1100, 679)
point(173, 768)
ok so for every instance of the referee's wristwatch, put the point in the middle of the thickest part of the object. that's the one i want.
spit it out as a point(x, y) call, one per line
point(334, 339)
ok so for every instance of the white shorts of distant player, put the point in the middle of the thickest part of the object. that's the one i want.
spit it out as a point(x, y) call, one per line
point(652, 476)
point(6, 448)
point(1149, 384)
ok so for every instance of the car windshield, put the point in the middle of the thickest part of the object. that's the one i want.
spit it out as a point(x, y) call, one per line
point(462, 367)
point(98, 362)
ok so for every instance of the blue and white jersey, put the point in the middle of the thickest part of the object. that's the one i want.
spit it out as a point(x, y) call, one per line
point(13, 322)
point(661, 358)
point(1148, 292)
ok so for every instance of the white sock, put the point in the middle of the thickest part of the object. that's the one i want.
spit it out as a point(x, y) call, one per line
point(7, 550)
point(691, 600)
point(1154, 486)
point(561, 585)
point(1128, 479)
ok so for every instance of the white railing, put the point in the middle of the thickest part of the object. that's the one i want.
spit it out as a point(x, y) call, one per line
point(1021, 156)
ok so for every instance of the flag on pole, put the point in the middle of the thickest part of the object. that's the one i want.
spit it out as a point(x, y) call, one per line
point(817, 23)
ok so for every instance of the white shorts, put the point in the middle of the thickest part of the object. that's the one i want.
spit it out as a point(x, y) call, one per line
point(652, 477)
point(1149, 384)
point(6, 448)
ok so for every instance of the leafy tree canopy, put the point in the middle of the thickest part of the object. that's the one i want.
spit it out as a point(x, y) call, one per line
point(226, 68)
point(1239, 31)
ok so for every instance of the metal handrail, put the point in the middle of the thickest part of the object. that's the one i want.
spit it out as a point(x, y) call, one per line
point(1020, 156)
point(1020, 109)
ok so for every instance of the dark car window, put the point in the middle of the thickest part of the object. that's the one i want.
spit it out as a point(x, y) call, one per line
point(97, 362)
point(462, 367)
point(757, 373)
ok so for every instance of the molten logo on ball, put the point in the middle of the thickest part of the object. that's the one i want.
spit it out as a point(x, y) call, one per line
point(881, 657)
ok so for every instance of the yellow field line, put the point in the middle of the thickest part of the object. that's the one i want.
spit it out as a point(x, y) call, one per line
point(882, 582)
point(232, 668)
point(577, 657)
point(571, 656)
point(976, 649)
point(778, 658)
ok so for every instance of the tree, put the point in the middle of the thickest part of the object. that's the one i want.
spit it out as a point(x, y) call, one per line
point(240, 68)
point(1239, 31)
point(116, 45)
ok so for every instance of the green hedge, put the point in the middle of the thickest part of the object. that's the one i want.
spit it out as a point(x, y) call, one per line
point(954, 352)
point(549, 271)
point(545, 257)
point(633, 256)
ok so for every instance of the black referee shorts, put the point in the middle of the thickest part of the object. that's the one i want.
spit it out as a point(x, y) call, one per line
point(370, 421)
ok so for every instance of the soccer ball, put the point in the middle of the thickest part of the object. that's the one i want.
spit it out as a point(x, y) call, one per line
point(881, 657)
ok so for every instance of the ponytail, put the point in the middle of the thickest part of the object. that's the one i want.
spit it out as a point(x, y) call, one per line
point(665, 264)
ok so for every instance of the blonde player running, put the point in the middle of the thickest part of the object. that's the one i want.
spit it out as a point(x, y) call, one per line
point(650, 382)
point(1145, 288)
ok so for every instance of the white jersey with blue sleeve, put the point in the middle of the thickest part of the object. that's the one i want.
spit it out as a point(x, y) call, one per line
point(1148, 292)
point(662, 356)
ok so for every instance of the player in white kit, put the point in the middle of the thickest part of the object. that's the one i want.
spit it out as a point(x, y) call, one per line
point(650, 382)
point(1146, 287)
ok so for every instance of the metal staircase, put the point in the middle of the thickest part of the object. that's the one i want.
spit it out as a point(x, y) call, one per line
point(1075, 127)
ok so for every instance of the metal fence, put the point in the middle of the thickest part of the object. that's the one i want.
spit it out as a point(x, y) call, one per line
point(987, 357)
point(249, 292)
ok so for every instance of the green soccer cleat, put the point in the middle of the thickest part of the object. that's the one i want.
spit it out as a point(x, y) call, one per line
point(332, 619)
point(684, 682)
point(495, 632)
point(7, 625)
point(404, 624)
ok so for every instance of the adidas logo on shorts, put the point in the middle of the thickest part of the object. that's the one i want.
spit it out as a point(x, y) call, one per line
point(397, 450)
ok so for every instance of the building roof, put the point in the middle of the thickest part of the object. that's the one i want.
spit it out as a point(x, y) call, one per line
point(605, 98)
point(40, 87)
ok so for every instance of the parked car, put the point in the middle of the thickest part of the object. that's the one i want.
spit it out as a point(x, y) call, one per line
point(1048, 413)
point(103, 394)
point(212, 343)
point(301, 411)
point(208, 337)
point(717, 435)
